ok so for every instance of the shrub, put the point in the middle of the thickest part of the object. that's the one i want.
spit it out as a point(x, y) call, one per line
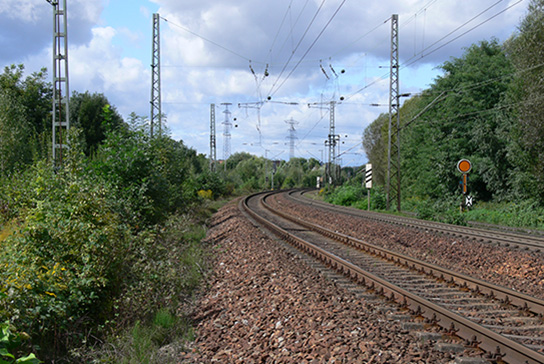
point(10, 340)
point(63, 260)
point(345, 195)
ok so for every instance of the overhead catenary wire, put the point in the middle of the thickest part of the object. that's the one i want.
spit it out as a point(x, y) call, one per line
point(459, 36)
point(411, 61)
point(207, 40)
point(298, 45)
point(309, 48)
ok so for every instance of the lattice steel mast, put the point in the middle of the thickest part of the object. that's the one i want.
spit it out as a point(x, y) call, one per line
point(393, 167)
point(156, 112)
point(213, 139)
point(226, 133)
point(61, 104)
point(292, 137)
point(331, 143)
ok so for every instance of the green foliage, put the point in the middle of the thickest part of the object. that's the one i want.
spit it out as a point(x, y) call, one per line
point(375, 140)
point(141, 343)
point(162, 268)
point(60, 267)
point(357, 196)
point(15, 134)
point(94, 115)
point(346, 195)
point(10, 340)
point(247, 173)
point(466, 119)
point(446, 211)
point(523, 214)
point(151, 177)
point(524, 119)
point(25, 106)
point(91, 247)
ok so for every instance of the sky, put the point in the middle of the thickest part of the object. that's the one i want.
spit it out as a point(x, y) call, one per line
point(278, 63)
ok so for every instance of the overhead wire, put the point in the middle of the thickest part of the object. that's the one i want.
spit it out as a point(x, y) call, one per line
point(279, 29)
point(290, 34)
point(405, 65)
point(309, 48)
point(207, 40)
point(459, 36)
point(298, 45)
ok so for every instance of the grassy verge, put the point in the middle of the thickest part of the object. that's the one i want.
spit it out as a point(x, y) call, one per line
point(522, 214)
point(525, 214)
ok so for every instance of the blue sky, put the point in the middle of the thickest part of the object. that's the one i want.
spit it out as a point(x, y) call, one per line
point(110, 53)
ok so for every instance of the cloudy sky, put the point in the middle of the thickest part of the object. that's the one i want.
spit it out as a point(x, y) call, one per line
point(269, 59)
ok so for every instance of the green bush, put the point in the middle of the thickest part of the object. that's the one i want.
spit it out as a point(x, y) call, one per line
point(527, 214)
point(345, 195)
point(59, 269)
point(10, 341)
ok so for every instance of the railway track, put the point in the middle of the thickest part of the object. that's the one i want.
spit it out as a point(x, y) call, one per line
point(504, 323)
point(500, 238)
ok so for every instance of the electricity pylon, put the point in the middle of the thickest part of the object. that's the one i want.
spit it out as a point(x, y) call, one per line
point(156, 112)
point(61, 89)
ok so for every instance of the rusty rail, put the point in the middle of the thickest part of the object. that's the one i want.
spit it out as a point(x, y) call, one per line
point(490, 341)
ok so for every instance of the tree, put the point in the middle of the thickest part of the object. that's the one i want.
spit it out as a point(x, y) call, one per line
point(375, 146)
point(16, 137)
point(27, 105)
point(526, 129)
point(465, 124)
point(87, 113)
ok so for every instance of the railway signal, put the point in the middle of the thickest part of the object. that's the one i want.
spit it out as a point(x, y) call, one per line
point(464, 166)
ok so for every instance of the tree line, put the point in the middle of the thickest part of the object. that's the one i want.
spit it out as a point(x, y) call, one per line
point(486, 107)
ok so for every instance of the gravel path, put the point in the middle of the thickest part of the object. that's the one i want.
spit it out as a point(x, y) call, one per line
point(263, 304)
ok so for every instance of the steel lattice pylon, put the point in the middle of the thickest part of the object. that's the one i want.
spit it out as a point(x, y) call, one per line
point(213, 140)
point(61, 89)
point(331, 142)
point(156, 112)
point(393, 167)
point(226, 133)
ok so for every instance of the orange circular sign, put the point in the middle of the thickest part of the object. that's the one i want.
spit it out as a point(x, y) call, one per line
point(464, 166)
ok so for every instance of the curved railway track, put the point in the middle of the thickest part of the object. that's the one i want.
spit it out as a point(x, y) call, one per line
point(508, 239)
point(503, 322)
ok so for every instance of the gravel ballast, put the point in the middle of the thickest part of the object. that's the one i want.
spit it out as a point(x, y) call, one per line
point(263, 304)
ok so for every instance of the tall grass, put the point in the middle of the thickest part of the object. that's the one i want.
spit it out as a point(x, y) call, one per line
point(523, 214)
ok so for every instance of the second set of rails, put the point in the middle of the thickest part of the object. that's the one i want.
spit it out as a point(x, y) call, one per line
point(499, 320)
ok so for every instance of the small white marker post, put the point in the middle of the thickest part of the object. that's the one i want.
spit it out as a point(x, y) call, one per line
point(368, 181)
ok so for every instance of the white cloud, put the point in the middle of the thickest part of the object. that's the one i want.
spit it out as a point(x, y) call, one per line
point(197, 72)
point(98, 67)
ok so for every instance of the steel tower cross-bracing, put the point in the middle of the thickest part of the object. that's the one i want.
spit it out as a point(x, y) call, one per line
point(61, 89)
point(156, 112)
point(393, 167)
point(292, 137)
point(331, 142)
point(213, 139)
point(226, 133)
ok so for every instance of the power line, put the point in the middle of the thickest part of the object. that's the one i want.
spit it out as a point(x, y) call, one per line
point(405, 65)
point(298, 44)
point(290, 34)
point(279, 29)
point(206, 39)
point(459, 36)
point(309, 48)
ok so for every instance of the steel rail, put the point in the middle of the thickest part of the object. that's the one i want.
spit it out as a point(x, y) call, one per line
point(490, 341)
point(522, 241)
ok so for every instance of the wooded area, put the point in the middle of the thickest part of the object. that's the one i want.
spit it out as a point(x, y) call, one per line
point(487, 108)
